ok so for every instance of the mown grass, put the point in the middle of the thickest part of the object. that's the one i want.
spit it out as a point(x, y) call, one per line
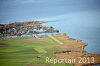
point(16, 52)
point(40, 50)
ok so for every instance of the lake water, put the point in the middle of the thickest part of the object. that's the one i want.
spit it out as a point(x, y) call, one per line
point(83, 26)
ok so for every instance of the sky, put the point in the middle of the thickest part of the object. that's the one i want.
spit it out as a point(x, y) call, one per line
point(23, 10)
point(78, 18)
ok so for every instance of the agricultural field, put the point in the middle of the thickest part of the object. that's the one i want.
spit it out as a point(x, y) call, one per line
point(24, 51)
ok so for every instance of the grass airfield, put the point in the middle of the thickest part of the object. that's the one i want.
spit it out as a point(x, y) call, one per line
point(23, 51)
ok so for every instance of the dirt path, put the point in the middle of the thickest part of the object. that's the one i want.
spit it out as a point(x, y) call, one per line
point(56, 40)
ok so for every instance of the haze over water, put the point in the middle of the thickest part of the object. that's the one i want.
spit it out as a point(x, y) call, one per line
point(87, 29)
point(79, 19)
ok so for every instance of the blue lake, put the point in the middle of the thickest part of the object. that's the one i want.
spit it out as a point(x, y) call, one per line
point(83, 26)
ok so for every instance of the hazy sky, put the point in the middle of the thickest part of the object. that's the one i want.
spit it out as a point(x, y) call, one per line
point(22, 10)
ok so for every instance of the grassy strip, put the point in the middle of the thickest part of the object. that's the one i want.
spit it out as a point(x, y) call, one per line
point(40, 50)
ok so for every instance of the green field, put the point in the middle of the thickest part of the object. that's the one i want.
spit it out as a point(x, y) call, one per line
point(17, 52)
